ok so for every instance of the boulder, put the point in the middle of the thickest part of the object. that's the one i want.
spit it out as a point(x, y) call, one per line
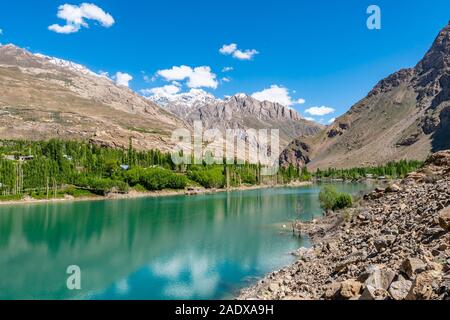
point(379, 278)
point(422, 286)
point(412, 266)
point(332, 290)
point(350, 289)
point(399, 289)
point(444, 219)
point(393, 188)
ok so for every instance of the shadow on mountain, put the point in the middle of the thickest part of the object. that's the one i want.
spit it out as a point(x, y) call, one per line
point(441, 137)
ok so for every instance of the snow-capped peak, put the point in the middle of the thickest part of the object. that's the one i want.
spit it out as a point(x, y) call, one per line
point(67, 65)
point(194, 97)
point(241, 95)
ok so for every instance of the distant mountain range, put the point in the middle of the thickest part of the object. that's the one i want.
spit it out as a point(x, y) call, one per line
point(406, 116)
point(240, 112)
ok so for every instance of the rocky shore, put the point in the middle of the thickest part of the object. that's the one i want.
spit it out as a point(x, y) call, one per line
point(394, 244)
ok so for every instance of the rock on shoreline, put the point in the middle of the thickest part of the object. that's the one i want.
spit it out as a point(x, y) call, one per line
point(395, 244)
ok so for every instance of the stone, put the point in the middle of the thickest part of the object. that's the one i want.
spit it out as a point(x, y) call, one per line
point(422, 286)
point(371, 293)
point(393, 188)
point(380, 277)
point(412, 266)
point(384, 242)
point(350, 289)
point(399, 289)
point(274, 287)
point(332, 290)
point(444, 219)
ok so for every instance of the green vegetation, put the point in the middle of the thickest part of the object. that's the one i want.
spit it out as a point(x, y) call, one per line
point(52, 169)
point(208, 177)
point(13, 197)
point(394, 170)
point(344, 200)
point(330, 199)
point(155, 179)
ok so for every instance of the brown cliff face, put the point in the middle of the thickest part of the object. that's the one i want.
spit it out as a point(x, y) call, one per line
point(406, 116)
point(41, 99)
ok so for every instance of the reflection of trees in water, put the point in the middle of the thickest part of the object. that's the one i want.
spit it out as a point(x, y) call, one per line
point(68, 225)
point(152, 223)
point(6, 227)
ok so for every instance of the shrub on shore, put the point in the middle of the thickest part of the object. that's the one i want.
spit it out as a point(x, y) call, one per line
point(102, 186)
point(212, 177)
point(331, 199)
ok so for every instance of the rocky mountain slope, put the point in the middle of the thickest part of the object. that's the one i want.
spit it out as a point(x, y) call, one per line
point(43, 97)
point(244, 112)
point(394, 245)
point(406, 116)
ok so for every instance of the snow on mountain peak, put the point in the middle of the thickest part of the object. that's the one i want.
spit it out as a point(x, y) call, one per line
point(194, 97)
point(67, 65)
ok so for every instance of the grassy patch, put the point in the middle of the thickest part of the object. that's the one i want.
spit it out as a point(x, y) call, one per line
point(15, 197)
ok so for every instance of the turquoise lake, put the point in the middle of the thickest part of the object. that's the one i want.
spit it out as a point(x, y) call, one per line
point(181, 247)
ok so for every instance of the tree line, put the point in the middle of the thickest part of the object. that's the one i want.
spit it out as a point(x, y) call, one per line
point(53, 165)
point(391, 170)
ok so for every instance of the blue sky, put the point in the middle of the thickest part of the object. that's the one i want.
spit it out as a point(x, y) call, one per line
point(320, 51)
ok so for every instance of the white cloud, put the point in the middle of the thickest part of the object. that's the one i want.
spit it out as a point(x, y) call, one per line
point(310, 119)
point(226, 79)
point(276, 94)
point(200, 77)
point(227, 69)
point(331, 120)
point(232, 49)
point(165, 91)
point(245, 55)
point(68, 28)
point(76, 16)
point(301, 101)
point(176, 73)
point(319, 111)
point(228, 49)
point(123, 79)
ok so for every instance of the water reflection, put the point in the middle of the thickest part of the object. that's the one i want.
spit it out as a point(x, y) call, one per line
point(164, 248)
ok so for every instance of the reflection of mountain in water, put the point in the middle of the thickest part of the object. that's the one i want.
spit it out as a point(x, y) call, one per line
point(179, 247)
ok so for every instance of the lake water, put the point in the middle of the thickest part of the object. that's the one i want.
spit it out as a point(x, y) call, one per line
point(182, 247)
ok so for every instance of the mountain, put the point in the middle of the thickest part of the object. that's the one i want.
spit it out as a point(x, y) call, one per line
point(244, 112)
point(44, 97)
point(406, 116)
point(183, 103)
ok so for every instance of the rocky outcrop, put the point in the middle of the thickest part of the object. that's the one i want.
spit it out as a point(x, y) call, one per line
point(297, 154)
point(395, 244)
